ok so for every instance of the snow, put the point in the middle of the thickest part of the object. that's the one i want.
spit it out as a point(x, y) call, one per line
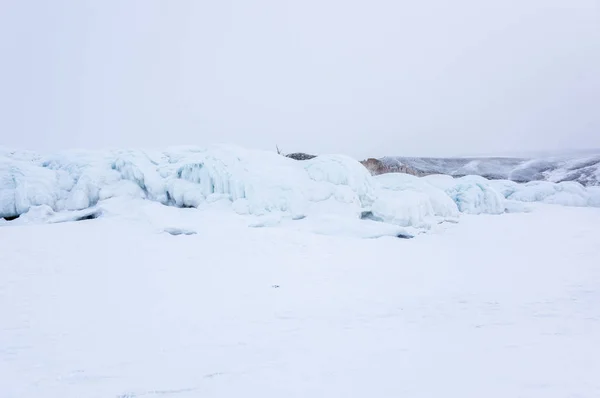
point(472, 194)
point(594, 198)
point(582, 167)
point(263, 182)
point(333, 194)
point(223, 271)
point(44, 214)
point(404, 208)
point(158, 301)
point(567, 193)
point(442, 204)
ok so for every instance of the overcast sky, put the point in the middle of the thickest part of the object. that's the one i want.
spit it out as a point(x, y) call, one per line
point(365, 78)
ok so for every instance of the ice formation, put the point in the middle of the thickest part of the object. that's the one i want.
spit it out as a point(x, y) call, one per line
point(472, 194)
point(255, 182)
point(567, 193)
point(407, 200)
point(259, 184)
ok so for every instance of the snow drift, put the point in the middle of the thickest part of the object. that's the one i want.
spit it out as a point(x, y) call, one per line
point(274, 188)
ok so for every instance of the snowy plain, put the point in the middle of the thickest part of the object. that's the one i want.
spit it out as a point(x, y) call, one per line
point(494, 306)
point(227, 273)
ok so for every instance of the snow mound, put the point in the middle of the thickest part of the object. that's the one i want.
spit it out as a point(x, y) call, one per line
point(352, 180)
point(477, 199)
point(44, 214)
point(472, 194)
point(407, 200)
point(566, 193)
point(594, 198)
point(330, 194)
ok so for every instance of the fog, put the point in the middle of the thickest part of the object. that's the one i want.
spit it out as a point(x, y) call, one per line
point(365, 78)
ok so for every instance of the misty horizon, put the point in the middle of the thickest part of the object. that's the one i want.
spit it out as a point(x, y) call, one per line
point(385, 79)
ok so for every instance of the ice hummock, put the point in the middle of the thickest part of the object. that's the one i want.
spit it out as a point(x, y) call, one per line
point(269, 188)
point(567, 193)
point(472, 194)
point(254, 182)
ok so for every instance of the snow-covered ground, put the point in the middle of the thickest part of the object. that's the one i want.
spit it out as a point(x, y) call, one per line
point(492, 306)
point(226, 272)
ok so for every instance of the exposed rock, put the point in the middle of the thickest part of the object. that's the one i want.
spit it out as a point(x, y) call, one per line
point(377, 167)
point(300, 156)
point(296, 155)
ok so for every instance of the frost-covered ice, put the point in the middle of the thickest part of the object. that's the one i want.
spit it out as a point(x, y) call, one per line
point(406, 200)
point(255, 182)
point(566, 193)
point(442, 205)
point(330, 194)
point(158, 301)
point(472, 194)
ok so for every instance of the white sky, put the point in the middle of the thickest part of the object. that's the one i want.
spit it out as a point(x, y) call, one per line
point(365, 78)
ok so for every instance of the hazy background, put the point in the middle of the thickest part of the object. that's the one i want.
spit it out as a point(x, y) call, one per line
point(366, 78)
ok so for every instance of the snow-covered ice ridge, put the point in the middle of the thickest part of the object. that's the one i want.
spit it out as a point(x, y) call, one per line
point(582, 168)
point(269, 188)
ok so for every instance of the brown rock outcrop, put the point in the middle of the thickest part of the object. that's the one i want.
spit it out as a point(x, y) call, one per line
point(377, 167)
